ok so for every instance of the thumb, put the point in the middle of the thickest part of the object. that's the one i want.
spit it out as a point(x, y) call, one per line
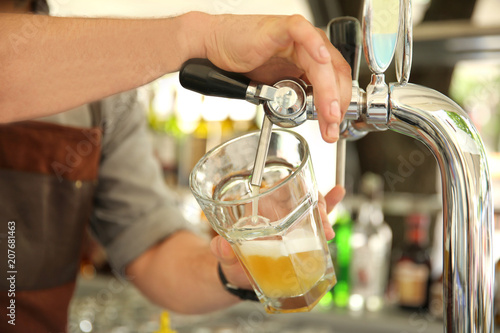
point(229, 262)
point(222, 251)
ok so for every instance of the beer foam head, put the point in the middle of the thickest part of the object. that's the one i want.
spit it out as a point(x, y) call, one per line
point(267, 248)
point(279, 248)
point(297, 245)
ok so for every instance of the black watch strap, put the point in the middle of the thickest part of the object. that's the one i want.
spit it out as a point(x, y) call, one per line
point(244, 294)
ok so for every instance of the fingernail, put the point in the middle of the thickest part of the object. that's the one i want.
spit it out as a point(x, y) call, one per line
point(323, 52)
point(215, 246)
point(335, 110)
point(333, 131)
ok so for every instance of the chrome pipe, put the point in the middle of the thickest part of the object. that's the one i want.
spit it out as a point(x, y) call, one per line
point(440, 124)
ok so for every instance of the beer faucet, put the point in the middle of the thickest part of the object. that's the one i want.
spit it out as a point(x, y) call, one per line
point(440, 124)
point(287, 103)
point(413, 110)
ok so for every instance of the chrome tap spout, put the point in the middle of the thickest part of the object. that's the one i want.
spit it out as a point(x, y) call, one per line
point(447, 131)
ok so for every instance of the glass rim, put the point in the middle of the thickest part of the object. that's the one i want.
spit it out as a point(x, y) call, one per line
point(217, 148)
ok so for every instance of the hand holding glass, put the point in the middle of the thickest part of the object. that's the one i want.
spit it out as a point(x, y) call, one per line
point(277, 234)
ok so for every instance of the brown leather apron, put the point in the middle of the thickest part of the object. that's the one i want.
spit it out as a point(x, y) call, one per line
point(48, 174)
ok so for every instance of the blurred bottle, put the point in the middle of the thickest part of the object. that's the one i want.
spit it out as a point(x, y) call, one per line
point(227, 129)
point(215, 126)
point(371, 247)
point(191, 145)
point(496, 256)
point(340, 249)
point(244, 117)
point(436, 287)
point(165, 324)
point(163, 123)
point(411, 273)
point(436, 298)
point(497, 293)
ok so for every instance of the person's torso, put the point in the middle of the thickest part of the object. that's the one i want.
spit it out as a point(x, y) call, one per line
point(48, 173)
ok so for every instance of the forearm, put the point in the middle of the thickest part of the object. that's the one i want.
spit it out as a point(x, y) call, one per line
point(51, 64)
point(180, 274)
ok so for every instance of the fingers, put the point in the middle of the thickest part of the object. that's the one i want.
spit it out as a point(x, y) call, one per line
point(229, 263)
point(329, 233)
point(223, 251)
point(332, 94)
point(333, 197)
point(305, 34)
point(270, 47)
point(326, 204)
point(326, 70)
point(326, 99)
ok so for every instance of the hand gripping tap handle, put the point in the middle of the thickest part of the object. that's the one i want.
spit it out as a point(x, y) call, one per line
point(345, 35)
point(203, 77)
point(288, 103)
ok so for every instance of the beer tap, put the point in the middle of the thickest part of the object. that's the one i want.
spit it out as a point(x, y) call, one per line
point(409, 109)
point(287, 103)
point(443, 127)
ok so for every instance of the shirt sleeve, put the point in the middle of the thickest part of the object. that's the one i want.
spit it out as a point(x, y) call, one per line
point(133, 208)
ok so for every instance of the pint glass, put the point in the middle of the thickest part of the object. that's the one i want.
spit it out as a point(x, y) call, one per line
point(276, 234)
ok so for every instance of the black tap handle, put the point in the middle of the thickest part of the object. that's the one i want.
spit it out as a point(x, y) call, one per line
point(345, 35)
point(201, 76)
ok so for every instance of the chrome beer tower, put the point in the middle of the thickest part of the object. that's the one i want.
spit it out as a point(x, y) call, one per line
point(441, 125)
point(419, 112)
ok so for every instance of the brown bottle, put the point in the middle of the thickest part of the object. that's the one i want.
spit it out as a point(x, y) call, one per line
point(411, 273)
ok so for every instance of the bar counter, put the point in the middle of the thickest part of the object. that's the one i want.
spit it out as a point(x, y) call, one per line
point(107, 304)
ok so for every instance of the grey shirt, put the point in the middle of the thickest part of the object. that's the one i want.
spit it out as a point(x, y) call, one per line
point(133, 208)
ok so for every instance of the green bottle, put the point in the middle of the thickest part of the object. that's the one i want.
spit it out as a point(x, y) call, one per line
point(340, 249)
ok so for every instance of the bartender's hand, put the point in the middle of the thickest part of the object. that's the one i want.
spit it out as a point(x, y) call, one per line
point(273, 47)
point(127, 53)
point(230, 264)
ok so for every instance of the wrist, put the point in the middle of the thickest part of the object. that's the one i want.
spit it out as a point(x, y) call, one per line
point(196, 27)
point(242, 294)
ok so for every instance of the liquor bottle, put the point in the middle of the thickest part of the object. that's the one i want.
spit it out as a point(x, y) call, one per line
point(242, 117)
point(371, 244)
point(340, 249)
point(413, 267)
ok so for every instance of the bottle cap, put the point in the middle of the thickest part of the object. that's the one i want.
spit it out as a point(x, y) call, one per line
point(418, 220)
point(417, 226)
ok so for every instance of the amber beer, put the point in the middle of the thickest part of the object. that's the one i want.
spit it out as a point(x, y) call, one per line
point(284, 273)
